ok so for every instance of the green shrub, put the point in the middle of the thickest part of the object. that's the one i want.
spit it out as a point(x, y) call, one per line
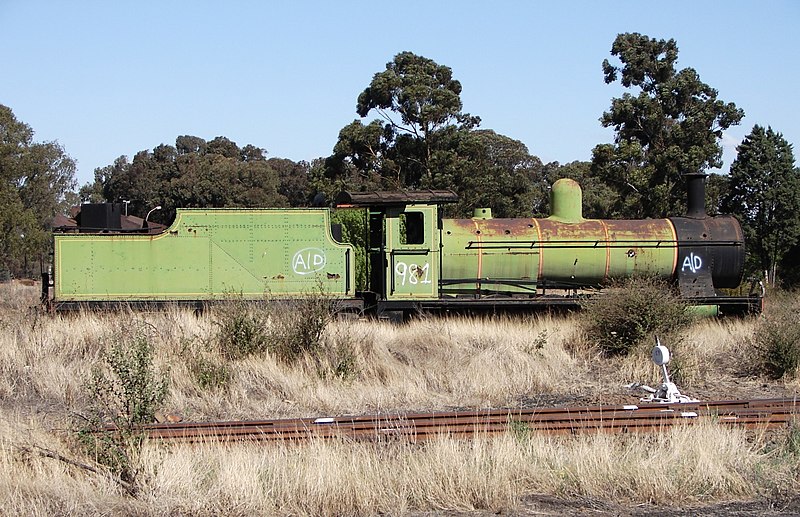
point(241, 328)
point(209, 374)
point(777, 338)
point(538, 344)
point(345, 365)
point(126, 388)
point(630, 312)
point(354, 231)
point(297, 326)
point(520, 430)
point(124, 392)
point(288, 329)
point(339, 360)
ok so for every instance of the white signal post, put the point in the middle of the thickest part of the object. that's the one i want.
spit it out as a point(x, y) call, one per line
point(668, 393)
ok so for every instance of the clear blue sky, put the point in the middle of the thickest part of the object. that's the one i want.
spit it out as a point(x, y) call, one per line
point(110, 78)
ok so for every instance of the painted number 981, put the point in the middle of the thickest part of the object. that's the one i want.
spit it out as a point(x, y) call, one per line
point(412, 274)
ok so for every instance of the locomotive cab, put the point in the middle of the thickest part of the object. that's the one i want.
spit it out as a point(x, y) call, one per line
point(403, 256)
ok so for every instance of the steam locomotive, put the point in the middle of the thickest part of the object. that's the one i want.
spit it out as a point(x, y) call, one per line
point(411, 257)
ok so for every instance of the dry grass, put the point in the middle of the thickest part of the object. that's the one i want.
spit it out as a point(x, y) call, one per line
point(452, 475)
point(429, 364)
point(697, 464)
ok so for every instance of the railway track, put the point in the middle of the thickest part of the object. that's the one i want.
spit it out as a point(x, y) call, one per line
point(418, 427)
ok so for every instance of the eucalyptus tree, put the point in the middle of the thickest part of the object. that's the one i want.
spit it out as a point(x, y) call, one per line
point(193, 173)
point(421, 138)
point(671, 126)
point(497, 172)
point(418, 103)
point(36, 182)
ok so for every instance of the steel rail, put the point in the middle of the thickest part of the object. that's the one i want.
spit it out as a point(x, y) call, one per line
point(417, 427)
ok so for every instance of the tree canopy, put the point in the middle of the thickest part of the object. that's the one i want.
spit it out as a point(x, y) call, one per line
point(197, 173)
point(497, 172)
point(764, 192)
point(670, 128)
point(36, 180)
point(422, 139)
point(419, 104)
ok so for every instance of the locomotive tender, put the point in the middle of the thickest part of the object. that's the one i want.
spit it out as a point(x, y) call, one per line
point(414, 259)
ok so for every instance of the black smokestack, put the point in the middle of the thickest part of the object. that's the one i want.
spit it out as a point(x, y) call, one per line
point(695, 195)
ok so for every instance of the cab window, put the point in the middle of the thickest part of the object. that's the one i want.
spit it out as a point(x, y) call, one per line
point(412, 228)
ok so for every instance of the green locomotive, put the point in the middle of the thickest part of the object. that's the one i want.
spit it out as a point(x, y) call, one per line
point(411, 259)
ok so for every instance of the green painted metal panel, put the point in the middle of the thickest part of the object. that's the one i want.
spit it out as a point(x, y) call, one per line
point(207, 254)
point(412, 253)
point(489, 254)
point(566, 201)
point(589, 252)
point(646, 246)
point(517, 256)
